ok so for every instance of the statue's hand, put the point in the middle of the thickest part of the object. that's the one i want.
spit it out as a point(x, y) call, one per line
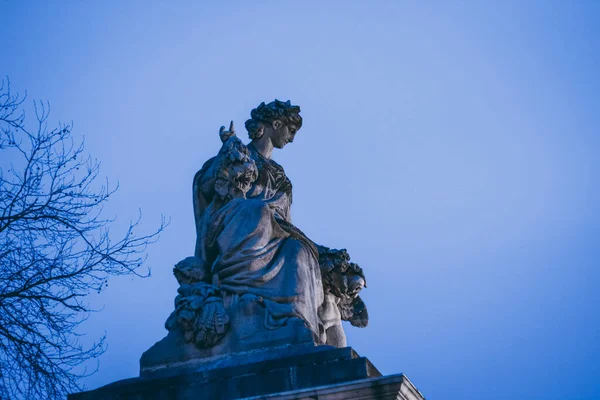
point(224, 135)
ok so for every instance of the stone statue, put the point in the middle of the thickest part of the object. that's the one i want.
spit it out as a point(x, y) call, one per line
point(256, 280)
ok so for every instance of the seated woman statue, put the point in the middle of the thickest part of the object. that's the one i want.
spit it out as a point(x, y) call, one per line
point(255, 279)
point(248, 244)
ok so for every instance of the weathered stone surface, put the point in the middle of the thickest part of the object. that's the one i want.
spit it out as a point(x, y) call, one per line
point(393, 387)
point(293, 368)
point(255, 280)
point(174, 352)
point(248, 249)
point(260, 306)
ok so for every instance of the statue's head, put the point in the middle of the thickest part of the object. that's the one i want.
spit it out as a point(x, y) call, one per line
point(342, 278)
point(278, 120)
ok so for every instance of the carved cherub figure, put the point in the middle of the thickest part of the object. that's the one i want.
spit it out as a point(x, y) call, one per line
point(236, 170)
point(342, 282)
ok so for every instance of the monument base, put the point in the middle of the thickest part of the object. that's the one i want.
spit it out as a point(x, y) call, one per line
point(287, 372)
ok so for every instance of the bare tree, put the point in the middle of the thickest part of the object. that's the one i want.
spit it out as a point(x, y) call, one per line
point(55, 248)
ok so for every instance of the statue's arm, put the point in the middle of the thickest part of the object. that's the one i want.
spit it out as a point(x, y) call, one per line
point(202, 189)
point(202, 193)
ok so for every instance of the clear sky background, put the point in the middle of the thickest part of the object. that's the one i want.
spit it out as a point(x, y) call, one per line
point(451, 147)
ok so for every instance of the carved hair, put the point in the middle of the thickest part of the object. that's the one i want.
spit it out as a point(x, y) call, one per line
point(267, 113)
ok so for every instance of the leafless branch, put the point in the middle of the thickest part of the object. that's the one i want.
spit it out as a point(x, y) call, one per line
point(55, 249)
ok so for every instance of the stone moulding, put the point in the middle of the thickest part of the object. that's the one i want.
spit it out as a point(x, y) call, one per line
point(396, 387)
point(289, 373)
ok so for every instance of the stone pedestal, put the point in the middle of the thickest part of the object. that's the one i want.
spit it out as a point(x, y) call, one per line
point(286, 372)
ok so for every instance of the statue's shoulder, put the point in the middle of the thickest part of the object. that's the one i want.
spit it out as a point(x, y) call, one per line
point(205, 174)
point(202, 191)
point(205, 167)
point(276, 165)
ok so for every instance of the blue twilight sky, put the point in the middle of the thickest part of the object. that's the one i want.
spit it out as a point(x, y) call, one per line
point(450, 146)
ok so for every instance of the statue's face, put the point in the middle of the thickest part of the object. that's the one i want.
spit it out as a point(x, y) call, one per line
point(283, 135)
point(355, 285)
